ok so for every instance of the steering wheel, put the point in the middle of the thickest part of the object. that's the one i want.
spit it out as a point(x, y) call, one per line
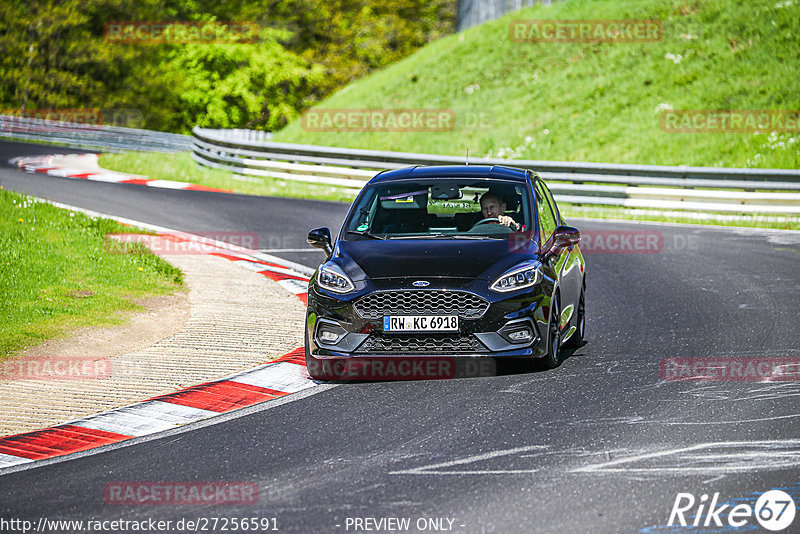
point(486, 221)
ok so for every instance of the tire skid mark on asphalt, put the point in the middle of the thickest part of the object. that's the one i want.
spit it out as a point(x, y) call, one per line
point(701, 459)
point(725, 457)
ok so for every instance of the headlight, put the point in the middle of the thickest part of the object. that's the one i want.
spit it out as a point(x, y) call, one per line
point(333, 278)
point(524, 275)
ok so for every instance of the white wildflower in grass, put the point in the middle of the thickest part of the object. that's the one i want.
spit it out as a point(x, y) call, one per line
point(663, 106)
point(513, 153)
point(471, 88)
point(546, 131)
point(754, 161)
point(675, 58)
point(505, 153)
point(776, 141)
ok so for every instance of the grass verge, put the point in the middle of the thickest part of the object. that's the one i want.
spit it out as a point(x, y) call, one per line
point(56, 274)
point(584, 101)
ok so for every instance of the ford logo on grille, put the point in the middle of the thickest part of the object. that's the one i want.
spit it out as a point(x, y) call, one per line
point(421, 283)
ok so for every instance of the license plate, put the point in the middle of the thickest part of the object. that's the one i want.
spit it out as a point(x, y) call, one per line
point(420, 323)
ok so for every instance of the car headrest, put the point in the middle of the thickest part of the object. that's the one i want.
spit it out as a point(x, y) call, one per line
point(507, 195)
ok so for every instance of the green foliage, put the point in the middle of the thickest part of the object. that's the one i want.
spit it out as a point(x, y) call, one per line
point(594, 101)
point(56, 56)
point(50, 54)
point(351, 38)
point(239, 85)
point(56, 272)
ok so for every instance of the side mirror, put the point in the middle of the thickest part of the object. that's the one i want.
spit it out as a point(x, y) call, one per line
point(320, 238)
point(564, 237)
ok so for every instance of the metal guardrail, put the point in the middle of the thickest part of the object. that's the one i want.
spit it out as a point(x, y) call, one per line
point(252, 152)
point(636, 186)
point(92, 136)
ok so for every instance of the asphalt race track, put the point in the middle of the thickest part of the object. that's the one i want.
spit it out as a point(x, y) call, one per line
point(601, 444)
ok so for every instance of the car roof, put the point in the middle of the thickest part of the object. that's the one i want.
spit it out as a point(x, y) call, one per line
point(453, 171)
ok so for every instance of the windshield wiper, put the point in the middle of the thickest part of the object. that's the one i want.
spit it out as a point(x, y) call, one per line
point(441, 236)
point(365, 234)
point(421, 236)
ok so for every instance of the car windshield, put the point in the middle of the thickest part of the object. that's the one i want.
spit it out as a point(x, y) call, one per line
point(441, 208)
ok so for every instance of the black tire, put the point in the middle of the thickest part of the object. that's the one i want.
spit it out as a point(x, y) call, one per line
point(577, 338)
point(552, 359)
point(311, 363)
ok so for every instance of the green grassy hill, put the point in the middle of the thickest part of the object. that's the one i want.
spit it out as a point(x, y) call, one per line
point(595, 101)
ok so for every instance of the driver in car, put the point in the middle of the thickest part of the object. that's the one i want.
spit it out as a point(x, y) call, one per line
point(494, 206)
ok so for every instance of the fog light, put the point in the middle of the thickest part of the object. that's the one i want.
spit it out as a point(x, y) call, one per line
point(520, 336)
point(330, 333)
point(518, 332)
point(328, 337)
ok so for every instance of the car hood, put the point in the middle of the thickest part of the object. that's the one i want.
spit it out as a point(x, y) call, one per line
point(432, 258)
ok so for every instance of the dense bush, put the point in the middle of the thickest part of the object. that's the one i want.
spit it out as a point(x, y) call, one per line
point(56, 56)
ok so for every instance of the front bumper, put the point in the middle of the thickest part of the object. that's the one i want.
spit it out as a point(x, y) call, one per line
point(337, 327)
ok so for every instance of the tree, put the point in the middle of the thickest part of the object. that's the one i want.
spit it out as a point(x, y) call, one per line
point(239, 85)
point(56, 56)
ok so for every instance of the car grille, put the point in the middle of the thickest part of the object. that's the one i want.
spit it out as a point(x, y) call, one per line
point(422, 344)
point(423, 302)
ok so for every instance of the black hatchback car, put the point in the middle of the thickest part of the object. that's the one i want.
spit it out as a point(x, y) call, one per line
point(448, 261)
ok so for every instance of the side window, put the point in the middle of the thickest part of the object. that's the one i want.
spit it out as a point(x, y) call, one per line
point(547, 220)
point(552, 202)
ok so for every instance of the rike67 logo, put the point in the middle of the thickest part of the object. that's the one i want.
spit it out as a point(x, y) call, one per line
point(774, 510)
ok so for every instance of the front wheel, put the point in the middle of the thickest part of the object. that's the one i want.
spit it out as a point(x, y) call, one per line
point(553, 357)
